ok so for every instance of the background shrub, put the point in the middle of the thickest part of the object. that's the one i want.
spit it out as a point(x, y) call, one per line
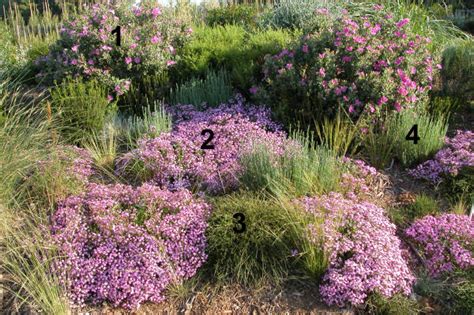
point(82, 108)
point(332, 69)
point(231, 48)
point(149, 39)
point(244, 15)
point(211, 91)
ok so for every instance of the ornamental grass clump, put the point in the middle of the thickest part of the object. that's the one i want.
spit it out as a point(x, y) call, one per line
point(364, 252)
point(149, 38)
point(363, 64)
point(125, 246)
point(190, 156)
point(445, 242)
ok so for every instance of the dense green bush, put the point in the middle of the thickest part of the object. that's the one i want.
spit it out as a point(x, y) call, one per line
point(81, 107)
point(422, 206)
point(261, 253)
point(244, 15)
point(366, 64)
point(232, 48)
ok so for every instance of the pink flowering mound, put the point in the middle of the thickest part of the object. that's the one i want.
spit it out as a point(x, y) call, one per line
point(176, 159)
point(124, 246)
point(449, 161)
point(445, 241)
point(367, 64)
point(86, 48)
point(364, 252)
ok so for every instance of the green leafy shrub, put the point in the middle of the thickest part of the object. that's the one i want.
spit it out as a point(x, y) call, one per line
point(149, 39)
point(443, 106)
point(341, 67)
point(211, 91)
point(231, 48)
point(244, 15)
point(262, 253)
point(81, 107)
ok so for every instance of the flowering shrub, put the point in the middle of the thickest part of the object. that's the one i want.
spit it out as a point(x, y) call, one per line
point(445, 241)
point(125, 246)
point(364, 253)
point(86, 48)
point(456, 155)
point(176, 158)
point(367, 64)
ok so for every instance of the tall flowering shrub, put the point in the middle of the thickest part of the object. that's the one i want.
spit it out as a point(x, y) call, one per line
point(369, 64)
point(446, 242)
point(176, 159)
point(87, 47)
point(125, 246)
point(364, 252)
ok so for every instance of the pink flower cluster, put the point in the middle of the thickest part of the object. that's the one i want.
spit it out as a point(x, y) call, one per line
point(365, 64)
point(125, 246)
point(457, 154)
point(87, 47)
point(176, 158)
point(364, 252)
point(446, 241)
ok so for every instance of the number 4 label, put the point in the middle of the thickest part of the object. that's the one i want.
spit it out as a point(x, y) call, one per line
point(413, 134)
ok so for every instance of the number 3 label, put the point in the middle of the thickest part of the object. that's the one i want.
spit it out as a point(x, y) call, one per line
point(240, 217)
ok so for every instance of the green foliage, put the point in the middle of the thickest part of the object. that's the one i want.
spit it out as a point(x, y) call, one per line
point(338, 134)
point(129, 129)
point(382, 143)
point(443, 106)
point(422, 206)
point(454, 292)
point(231, 48)
point(431, 132)
point(261, 253)
point(458, 67)
point(27, 260)
point(244, 15)
point(143, 93)
point(302, 170)
point(24, 135)
point(461, 186)
point(292, 14)
point(82, 108)
point(396, 305)
point(211, 91)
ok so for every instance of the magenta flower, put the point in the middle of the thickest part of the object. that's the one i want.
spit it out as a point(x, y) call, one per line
point(402, 22)
point(155, 12)
point(155, 39)
point(128, 60)
point(253, 90)
point(305, 48)
point(75, 48)
point(170, 63)
point(137, 60)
